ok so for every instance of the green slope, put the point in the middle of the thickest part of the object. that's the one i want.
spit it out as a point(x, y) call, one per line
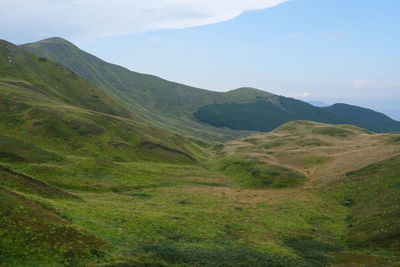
point(51, 107)
point(25, 69)
point(31, 235)
point(167, 104)
point(372, 195)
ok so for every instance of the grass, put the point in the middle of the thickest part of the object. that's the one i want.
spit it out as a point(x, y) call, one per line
point(152, 224)
point(314, 252)
point(394, 140)
point(372, 196)
point(30, 234)
point(315, 160)
point(332, 131)
point(14, 150)
point(230, 256)
point(23, 183)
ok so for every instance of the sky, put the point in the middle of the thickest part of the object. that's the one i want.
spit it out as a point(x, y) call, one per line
point(328, 50)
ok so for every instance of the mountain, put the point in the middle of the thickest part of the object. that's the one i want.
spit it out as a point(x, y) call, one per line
point(162, 103)
point(366, 118)
point(392, 113)
point(191, 111)
point(266, 115)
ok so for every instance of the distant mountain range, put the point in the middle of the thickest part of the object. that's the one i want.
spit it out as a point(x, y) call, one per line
point(179, 108)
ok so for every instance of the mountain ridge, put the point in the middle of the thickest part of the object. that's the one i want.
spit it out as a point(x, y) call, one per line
point(177, 107)
point(147, 95)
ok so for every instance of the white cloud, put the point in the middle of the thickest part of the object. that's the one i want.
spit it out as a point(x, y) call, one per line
point(87, 19)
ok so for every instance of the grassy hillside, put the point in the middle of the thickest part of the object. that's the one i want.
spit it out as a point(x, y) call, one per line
point(38, 74)
point(43, 104)
point(162, 103)
point(31, 234)
point(372, 194)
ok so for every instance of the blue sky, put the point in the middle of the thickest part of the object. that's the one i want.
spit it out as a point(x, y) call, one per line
point(329, 50)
